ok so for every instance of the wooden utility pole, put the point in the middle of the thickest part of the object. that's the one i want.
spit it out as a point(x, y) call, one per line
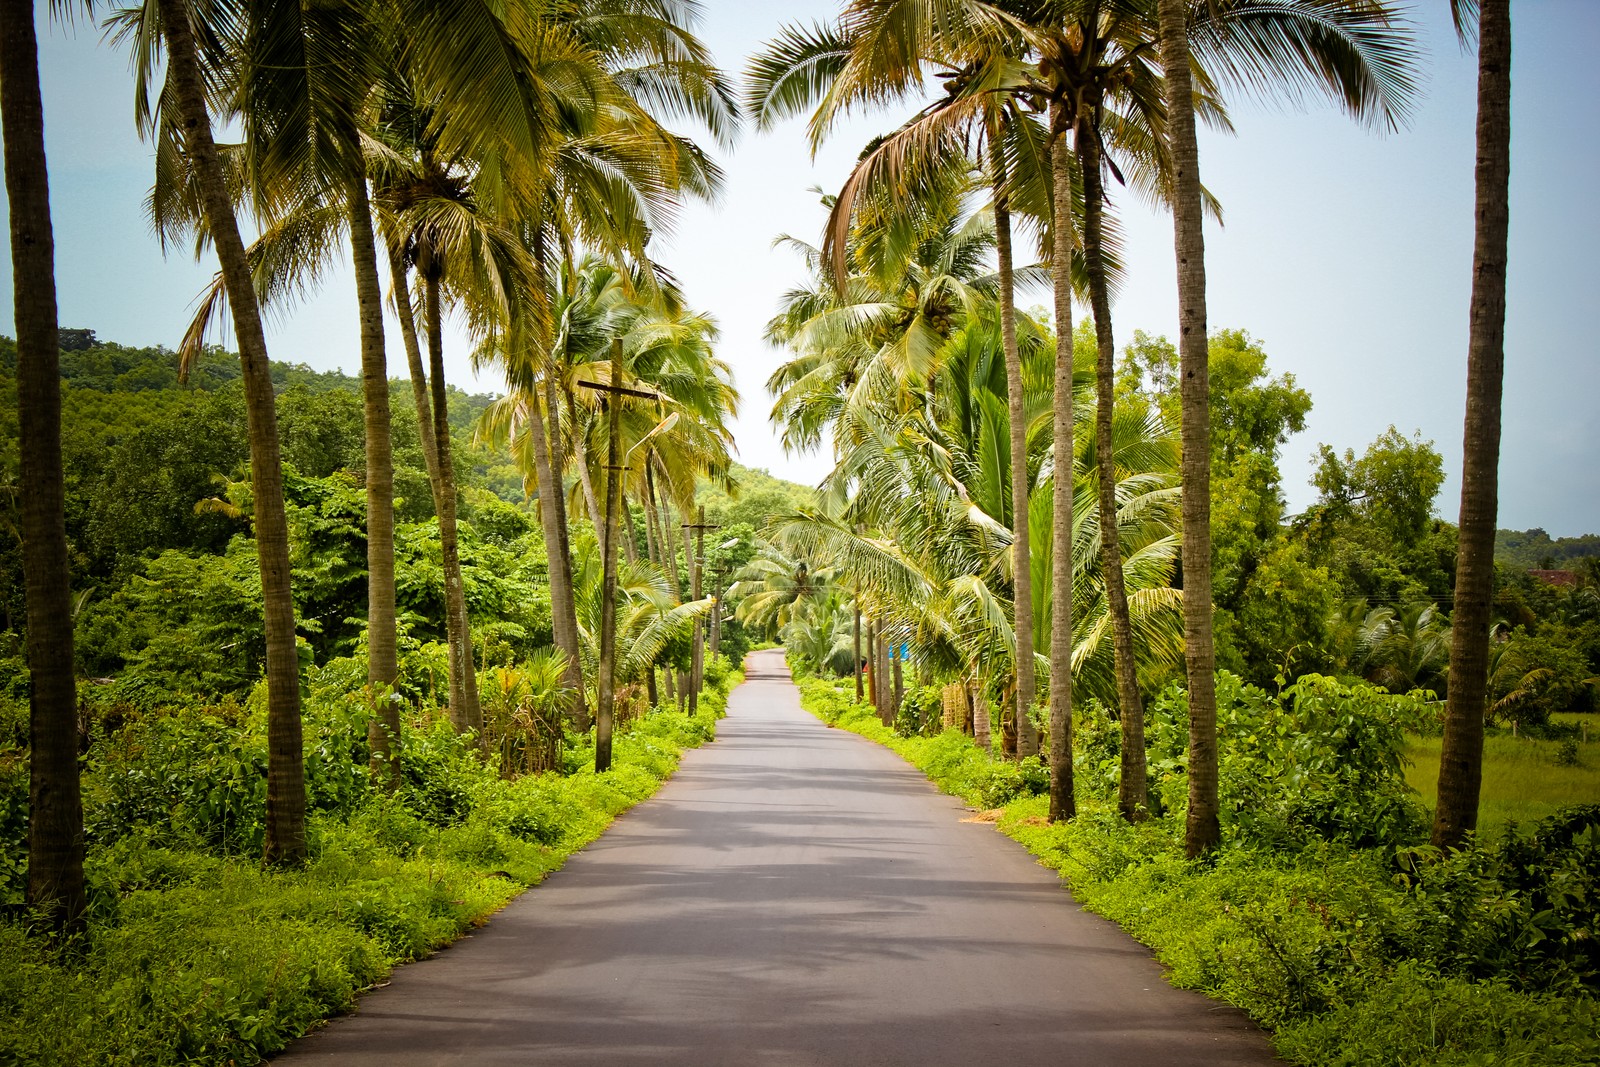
point(856, 631)
point(607, 682)
point(697, 659)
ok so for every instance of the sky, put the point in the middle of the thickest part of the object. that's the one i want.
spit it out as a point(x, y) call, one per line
point(1347, 253)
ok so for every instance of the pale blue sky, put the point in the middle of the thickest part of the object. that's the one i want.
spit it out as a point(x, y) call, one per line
point(1348, 254)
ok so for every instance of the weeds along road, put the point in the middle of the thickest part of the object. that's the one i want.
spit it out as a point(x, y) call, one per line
point(794, 895)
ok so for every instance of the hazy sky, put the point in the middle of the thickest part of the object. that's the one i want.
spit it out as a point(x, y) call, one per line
point(1348, 254)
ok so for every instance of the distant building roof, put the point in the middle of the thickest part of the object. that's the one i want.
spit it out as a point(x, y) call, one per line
point(1563, 578)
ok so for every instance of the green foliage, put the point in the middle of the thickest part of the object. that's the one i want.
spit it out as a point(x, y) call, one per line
point(1534, 674)
point(921, 713)
point(1323, 760)
point(1533, 548)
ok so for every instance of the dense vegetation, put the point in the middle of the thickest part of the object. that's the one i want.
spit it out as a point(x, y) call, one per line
point(196, 954)
point(304, 673)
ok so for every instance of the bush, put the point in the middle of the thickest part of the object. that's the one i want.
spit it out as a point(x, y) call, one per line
point(1322, 761)
point(921, 712)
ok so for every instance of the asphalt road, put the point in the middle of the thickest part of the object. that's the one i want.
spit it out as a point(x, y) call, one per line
point(795, 895)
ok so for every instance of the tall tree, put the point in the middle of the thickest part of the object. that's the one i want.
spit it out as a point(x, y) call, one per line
point(383, 731)
point(190, 125)
point(1063, 799)
point(1203, 829)
point(1461, 760)
point(1356, 51)
point(55, 806)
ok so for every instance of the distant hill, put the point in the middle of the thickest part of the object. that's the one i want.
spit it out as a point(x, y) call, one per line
point(760, 496)
point(1537, 550)
point(107, 367)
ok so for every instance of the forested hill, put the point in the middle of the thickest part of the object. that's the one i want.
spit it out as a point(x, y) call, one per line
point(158, 515)
point(1537, 550)
point(158, 498)
point(107, 367)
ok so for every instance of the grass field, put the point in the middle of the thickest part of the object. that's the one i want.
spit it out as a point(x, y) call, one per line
point(1522, 780)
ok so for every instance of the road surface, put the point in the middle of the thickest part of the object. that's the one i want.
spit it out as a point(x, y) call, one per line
point(795, 895)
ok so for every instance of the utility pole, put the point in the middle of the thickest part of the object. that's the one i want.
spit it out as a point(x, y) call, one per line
point(697, 661)
point(607, 682)
point(721, 587)
point(855, 604)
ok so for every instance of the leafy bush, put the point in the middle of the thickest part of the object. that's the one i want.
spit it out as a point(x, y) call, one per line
point(921, 712)
point(1322, 761)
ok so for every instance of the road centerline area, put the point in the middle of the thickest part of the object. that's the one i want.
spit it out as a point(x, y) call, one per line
point(794, 895)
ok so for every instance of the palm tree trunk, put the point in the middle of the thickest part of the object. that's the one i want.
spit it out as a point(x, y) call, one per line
point(663, 509)
point(609, 533)
point(652, 539)
point(400, 284)
point(580, 453)
point(1063, 800)
point(1021, 552)
point(680, 683)
point(1131, 798)
point(425, 433)
point(899, 686)
point(465, 713)
point(55, 804)
point(563, 612)
point(383, 729)
point(881, 677)
point(1203, 830)
point(285, 838)
point(630, 543)
point(871, 667)
point(982, 735)
point(1461, 760)
point(563, 556)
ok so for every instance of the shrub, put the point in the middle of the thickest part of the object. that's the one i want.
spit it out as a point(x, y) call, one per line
point(1322, 761)
point(921, 712)
point(195, 954)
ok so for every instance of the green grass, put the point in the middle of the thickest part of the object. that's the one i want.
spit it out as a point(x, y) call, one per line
point(1522, 780)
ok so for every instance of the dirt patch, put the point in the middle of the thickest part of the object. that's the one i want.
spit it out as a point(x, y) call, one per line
point(992, 815)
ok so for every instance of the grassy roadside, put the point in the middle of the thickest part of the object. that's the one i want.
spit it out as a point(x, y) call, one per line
point(1344, 959)
point(195, 957)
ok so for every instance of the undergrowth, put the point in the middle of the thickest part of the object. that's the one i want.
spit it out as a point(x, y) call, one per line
point(195, 954)
point(1347, 939)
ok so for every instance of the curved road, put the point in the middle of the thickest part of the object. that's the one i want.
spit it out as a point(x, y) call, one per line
point(794, 895)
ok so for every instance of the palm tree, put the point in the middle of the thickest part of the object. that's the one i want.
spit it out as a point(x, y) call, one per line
point(304, 81)
point(1351, 48)
point(1461, 759)
point(1403, 649)
point(188, 125)
point(55, 806)
point(979, 98)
